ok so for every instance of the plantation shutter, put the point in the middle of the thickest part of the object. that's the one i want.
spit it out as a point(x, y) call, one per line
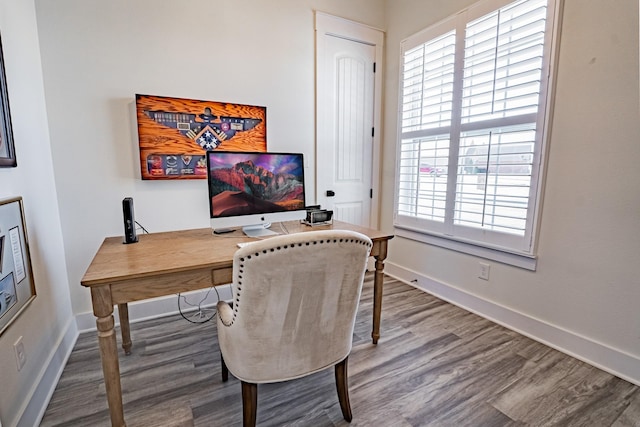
point(473, 98)
point(427, 103)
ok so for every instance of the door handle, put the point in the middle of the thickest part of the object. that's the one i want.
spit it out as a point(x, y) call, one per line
point(330, 193)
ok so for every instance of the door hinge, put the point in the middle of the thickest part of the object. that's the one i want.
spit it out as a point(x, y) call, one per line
point(372, 132)
point(374, 67)
point(371, 193)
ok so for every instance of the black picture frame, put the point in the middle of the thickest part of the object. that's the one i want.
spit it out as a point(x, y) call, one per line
point(7, 149)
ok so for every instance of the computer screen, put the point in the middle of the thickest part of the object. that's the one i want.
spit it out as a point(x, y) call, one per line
point(252, 190)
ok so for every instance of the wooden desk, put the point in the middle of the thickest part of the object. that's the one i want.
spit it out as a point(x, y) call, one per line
point(173, 262)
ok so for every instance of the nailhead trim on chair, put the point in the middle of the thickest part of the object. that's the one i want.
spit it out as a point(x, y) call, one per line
point(248, 257)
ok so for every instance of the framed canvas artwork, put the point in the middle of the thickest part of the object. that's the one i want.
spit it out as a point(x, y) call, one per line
point(174, 134)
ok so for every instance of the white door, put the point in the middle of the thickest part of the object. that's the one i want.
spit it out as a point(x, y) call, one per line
point(346, 116)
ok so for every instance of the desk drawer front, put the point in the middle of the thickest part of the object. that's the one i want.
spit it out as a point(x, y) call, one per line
point(167, 284)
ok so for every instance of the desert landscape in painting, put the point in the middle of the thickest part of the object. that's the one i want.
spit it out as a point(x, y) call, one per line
point(245, 188)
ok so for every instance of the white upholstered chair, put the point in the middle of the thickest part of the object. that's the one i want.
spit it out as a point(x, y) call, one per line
point(293, 311)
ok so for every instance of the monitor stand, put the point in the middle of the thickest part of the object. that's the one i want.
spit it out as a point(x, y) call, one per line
point(258, 230)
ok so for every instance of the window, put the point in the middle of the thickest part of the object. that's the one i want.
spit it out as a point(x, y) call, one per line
point(473, 103)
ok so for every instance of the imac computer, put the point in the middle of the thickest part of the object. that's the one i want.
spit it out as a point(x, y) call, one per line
point(252, 190)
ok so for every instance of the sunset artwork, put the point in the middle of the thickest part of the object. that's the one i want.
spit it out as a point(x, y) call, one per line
point(174, 134)
point(243, 184)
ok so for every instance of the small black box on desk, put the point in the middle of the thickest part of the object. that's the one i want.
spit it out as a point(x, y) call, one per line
point(317, 216)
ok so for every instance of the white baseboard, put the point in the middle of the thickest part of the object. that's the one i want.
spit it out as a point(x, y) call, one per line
point(612, 360)
point(152, 308)
point(35, 406)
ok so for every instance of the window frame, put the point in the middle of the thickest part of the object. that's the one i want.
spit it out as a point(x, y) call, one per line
point(473, 241)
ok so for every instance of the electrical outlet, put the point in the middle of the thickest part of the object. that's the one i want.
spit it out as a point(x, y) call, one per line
point(484, 271)
point(21, 355)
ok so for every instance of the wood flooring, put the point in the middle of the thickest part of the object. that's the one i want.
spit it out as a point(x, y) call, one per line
point(435, 365)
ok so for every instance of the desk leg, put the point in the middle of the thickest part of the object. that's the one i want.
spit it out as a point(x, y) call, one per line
point(123, 314)
point(103, 310)
point(377, 290)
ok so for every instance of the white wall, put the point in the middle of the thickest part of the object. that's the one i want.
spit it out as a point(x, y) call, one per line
point(97, 55)
point(586, 289)
point(48, 318)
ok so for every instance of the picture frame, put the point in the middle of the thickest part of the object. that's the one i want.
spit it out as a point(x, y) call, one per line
point(7, 150)
point(174, 134)
point(17, 287)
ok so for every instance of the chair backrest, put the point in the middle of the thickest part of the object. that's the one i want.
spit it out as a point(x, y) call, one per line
point(295, 303)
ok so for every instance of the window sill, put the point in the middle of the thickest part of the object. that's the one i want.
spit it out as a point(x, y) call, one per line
point(521, 260)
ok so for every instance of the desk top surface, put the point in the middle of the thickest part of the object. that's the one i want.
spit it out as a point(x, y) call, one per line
point(175, 251)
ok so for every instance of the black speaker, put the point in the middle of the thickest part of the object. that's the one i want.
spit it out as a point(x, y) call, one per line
point(129, 221)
